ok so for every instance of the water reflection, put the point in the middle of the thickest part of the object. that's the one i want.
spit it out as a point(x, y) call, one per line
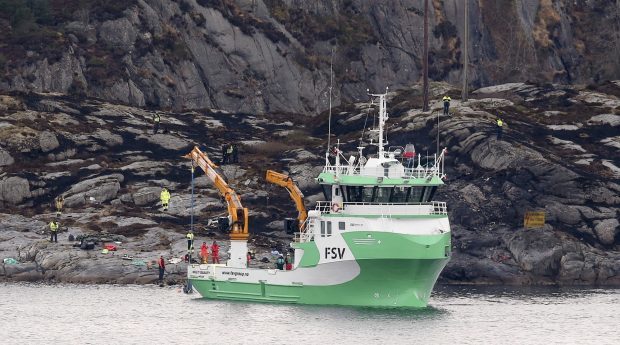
point(102, 314)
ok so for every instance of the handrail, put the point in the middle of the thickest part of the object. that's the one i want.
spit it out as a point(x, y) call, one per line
point(418, 172)
point(438, 207)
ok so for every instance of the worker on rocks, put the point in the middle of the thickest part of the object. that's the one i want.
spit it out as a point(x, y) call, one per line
point(165, 198)
point(162, 268)
point(500, 128)
point(156, 120)
point(54, 231)
point(224, 154)
point(235, 153)
point(229, 153)
point(59, 202)
point(190, 240)
point(446, 104)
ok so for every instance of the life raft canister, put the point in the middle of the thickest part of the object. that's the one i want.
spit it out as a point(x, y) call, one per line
point(409, 151)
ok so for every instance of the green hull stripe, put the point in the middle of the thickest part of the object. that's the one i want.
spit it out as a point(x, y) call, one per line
point(310, 257)
point(385, 245)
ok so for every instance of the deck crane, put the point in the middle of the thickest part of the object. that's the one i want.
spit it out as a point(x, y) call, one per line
point(287, 182)
point(237, 213)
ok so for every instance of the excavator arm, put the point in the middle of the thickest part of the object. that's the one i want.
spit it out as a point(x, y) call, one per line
point(238, 214)
point(296, 194)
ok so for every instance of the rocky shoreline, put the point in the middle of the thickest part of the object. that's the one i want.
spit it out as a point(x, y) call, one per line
point(559, 154)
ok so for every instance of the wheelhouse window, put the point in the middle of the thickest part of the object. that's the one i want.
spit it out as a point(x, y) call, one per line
point(368, 195)
point(355, 193)
point(327, 192)
point(429, 192)
point(391, 194)
point(415, 195)
point(383, 195)
point(341, 226)
point(400, 194)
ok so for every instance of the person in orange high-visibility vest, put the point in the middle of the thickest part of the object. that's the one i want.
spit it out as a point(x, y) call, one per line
point(215, 252)
point(204, 253)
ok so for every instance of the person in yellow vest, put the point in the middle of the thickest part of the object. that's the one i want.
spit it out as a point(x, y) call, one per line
point(156, 120)
point(54, 231)
point(446, 104)
point(500, 128)
point(190, 240)
point(165, 198)
point(60, 200)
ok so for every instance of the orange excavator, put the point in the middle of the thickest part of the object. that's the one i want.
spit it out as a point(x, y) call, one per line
point(287, 182)
point(238, 214)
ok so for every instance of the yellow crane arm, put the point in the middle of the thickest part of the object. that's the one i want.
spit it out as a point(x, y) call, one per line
point(287, 182)
point(238, 214)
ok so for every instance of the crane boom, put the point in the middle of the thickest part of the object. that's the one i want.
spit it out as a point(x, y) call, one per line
point(238, 214)
point(287, 182)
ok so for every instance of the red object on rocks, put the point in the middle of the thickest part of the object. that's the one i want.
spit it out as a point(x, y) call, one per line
point(110, 247)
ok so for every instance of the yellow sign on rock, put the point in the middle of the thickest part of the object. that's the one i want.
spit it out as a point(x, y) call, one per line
point(534, 219)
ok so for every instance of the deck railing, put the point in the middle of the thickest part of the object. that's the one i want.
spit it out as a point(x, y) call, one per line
point(438, 207)
point(412, 168)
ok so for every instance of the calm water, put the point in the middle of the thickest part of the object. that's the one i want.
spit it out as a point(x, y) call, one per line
point(73, 314)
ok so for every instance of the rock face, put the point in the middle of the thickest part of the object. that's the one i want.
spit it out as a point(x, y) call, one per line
point(270, 56)
point(111, 168)
point(14, 190)
point(48, 141)
point(5, 158)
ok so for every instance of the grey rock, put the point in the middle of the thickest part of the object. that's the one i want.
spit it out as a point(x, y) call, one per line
point(108, 137)
point(473, 195)
point(515, 193)
point(48, 141)
point(571, 266)
point(168, 141)
point(14, 190)
point(88, 184)
point(126, 198)
point(146, 195)
point(500, 155)
point(536, 251)
point(5, 157)
point(607, 230)
point(567, 214)
point(96, 190)
point(119, 33)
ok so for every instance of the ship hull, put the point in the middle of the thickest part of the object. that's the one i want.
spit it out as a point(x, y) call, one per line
point(375, 278)
point(381, 283)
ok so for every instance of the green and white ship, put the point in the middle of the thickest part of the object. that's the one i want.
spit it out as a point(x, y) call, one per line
point(379, 239)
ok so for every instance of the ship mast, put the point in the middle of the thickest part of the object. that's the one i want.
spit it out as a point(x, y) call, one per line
point(383, 117)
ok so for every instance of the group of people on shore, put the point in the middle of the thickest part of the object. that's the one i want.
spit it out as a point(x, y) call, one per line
point(214, 250)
